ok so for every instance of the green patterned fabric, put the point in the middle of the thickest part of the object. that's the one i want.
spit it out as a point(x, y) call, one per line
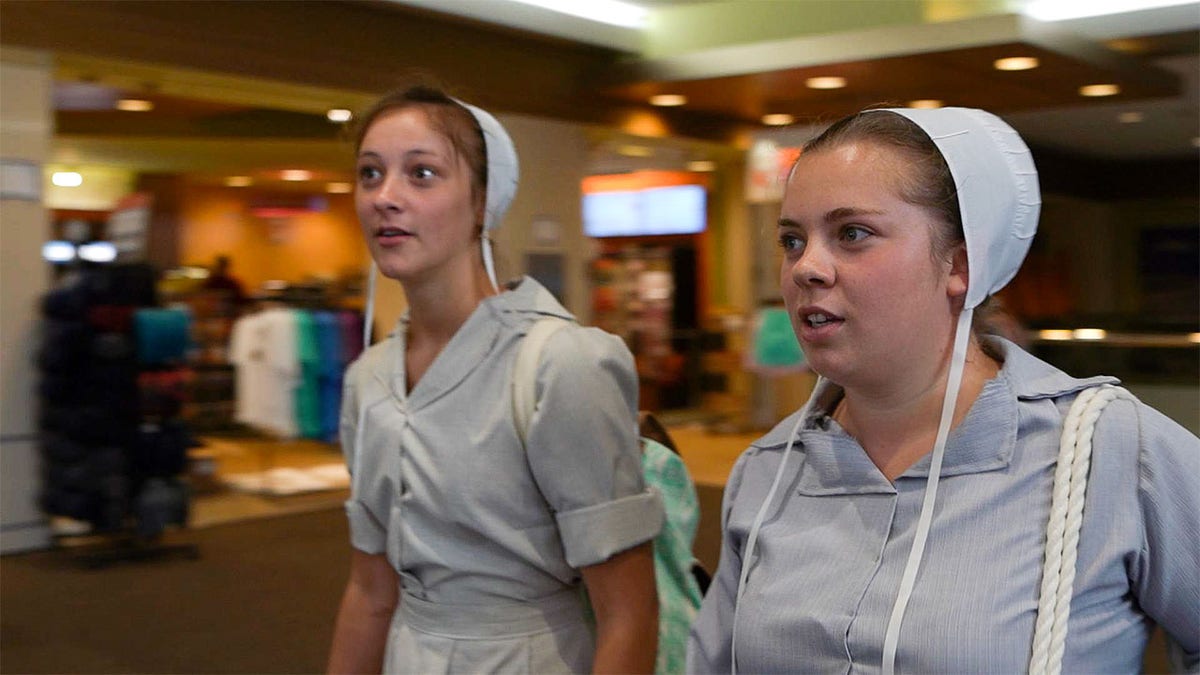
point(678, 591)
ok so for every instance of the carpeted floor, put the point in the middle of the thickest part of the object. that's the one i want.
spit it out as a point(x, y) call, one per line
point(261, 598)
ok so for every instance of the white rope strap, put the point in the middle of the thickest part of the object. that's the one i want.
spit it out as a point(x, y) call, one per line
point(1062, 530)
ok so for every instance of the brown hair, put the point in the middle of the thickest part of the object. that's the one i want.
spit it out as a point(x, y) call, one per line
point(446, 115)
point(928, 183)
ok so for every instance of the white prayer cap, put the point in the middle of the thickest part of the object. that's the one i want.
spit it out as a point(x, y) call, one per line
point(998, 192)
point(503, 170)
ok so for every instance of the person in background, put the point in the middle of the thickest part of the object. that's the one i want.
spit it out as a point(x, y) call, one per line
point(471, 549)
point(924, 511)
point(221, 281)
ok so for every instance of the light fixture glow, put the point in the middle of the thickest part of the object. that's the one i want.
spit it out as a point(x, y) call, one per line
point(1055, 334)
point(1095, 90)
point(238, 181)
point(1058, 10)
point(635, 151)
point(702, 165)
point(612, 12)
point(1089, 334)
point(339, 115)
point(58, 251)
point(828, 82)
point(295, 175)
point(1194, 337)
point(98, 251)
point(668, 100)
point(66, 178)
point(1130, 117)
point(1016, 63)
point(339, 188)
point(134, 105)
point(926, 103)
point(778, 119)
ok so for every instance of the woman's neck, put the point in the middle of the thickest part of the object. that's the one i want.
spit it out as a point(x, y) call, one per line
point(437, 308)
point(898, 427)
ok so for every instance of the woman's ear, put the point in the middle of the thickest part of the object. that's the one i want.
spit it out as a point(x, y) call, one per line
point(960, 276)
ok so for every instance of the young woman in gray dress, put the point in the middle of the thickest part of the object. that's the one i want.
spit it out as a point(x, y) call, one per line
point(924, 511)
point(471, 548)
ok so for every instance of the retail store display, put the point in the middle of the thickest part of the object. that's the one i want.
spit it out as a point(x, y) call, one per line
point(112, 387)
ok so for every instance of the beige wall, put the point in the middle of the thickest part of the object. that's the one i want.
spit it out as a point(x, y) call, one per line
point(26, 126)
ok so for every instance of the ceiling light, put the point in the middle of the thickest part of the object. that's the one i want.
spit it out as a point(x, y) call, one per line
point(778, 119)
point(98, 251)
point(702, 165)
point(1016, 63)
point(1055, 334)
point(66, 178)
point(1057, 10)
point(668, 100)
point(134, 105)
point(830, 82)
point(58, 251)
point(1099, 90)
point(1089, 334)
point(635, 151)
point(339, 188)
point(1194, 337)
point(926, 103)
point(1130, 117)
point(238, 181)
point(612, 12)
point(339, 115)
point(295, 175)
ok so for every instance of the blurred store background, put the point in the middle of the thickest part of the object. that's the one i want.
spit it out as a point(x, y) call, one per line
point(164, 135)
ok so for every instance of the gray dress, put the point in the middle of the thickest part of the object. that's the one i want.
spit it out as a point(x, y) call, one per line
point(831, 550)
point(487, 537)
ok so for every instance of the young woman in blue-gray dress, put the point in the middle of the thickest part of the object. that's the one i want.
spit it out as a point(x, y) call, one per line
point(922, 513)
point(471, 548)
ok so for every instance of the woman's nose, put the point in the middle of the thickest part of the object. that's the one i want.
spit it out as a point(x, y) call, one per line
point(813, 267)
point(389, 196)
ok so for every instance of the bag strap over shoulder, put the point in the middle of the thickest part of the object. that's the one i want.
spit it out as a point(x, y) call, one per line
point(524, 374)
point(1062, 530)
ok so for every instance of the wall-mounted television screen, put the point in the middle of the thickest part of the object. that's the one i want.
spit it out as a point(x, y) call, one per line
point(676, 209)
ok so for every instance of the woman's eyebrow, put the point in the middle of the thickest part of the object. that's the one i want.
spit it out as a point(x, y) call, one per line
point(845, 212)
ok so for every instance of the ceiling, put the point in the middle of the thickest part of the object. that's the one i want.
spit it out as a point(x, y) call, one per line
point(243, 100)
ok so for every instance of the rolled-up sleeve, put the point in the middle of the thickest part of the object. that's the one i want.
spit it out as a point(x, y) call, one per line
point(583, 447)
point(367, 534)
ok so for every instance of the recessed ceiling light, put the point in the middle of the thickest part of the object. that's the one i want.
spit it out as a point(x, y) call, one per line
point(238, 181)
point(668, 100)
point(702, 165)
point(1130, 117)
point(66, 178)
point(339, 115)
point(1089, 334)
point(134, 105)
point(1099, 90)
point(339, 188)
point(295, 174)
point(635, 151)
point(926, 103)
point(778, 119)
point(1193, 337)
point(1055, 334)
point(828, 82)
point(1016, 63)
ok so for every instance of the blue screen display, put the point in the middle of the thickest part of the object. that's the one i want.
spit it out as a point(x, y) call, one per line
point(678, 209)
